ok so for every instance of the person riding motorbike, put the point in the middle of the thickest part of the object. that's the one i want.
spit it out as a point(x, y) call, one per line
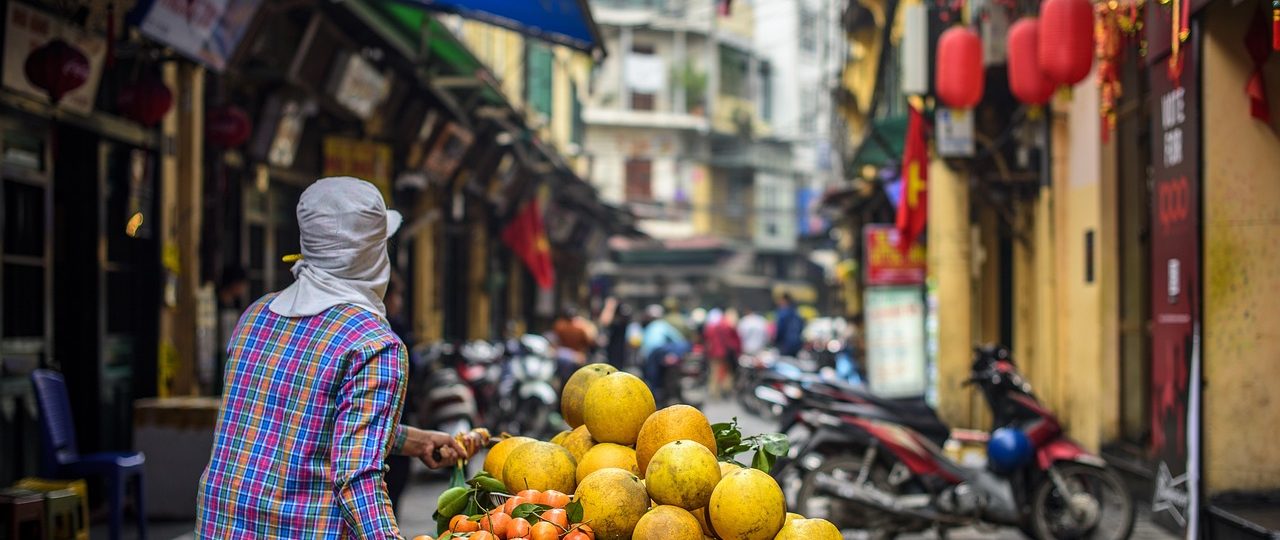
point(659, 339)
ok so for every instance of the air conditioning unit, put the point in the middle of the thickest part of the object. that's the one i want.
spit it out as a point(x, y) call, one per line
point(914, 50)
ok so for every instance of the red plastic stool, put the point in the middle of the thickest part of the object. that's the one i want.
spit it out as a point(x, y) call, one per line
point(23, 512)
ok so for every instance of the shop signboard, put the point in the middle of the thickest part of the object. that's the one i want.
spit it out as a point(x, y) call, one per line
point(895, 319)
point(366, 160)
point(1175, 288)
point(885, 262)
point(955, 132)
point(447, 152)
point(206, 31)
point(27, 29)
point(358, 85)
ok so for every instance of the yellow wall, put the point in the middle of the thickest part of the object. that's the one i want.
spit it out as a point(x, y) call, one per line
point(949, 260)
point(1241, 246)
point(502, 51)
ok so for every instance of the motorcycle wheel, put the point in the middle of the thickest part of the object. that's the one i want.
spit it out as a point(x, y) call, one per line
point(1099, 506)
point(813, 503)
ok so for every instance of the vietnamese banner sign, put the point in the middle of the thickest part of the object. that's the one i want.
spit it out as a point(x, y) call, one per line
point(896, 341)
point(362, 159)
point(885, 263)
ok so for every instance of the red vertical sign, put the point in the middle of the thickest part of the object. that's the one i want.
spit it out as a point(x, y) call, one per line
point(1175, 282)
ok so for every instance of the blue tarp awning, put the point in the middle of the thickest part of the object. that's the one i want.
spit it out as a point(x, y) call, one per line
point(567, 22)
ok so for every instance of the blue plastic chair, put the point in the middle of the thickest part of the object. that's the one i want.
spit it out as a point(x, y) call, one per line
point(61, 459)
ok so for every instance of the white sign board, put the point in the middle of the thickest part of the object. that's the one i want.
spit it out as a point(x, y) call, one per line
point(646, 73)
point(28, 29)
point(359, 86)
point(955, 132)
point(896, 341)
point(207, 31)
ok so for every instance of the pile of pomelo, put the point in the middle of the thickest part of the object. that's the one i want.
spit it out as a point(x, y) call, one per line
point(634, 473)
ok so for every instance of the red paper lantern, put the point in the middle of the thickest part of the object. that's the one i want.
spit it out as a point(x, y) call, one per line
point(960, 76)
point(1066, 47)
point(57, 68)
point(145, 101)
point(227, 126)
point(1026, 80)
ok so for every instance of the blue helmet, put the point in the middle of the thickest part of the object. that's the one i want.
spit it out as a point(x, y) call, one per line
point(1008, 450)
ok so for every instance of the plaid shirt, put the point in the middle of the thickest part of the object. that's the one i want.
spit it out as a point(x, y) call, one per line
point(310, 410)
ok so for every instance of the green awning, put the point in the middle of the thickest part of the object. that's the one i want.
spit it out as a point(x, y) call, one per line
point(882, 145)
point(403, 25)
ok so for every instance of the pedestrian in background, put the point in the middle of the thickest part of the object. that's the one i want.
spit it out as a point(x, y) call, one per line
point(659, 339)
point(722, 342)
point(615, 318)
point(789, 329)
point(753, 332)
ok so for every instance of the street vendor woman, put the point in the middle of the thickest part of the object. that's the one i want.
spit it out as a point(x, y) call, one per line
point(314, 383)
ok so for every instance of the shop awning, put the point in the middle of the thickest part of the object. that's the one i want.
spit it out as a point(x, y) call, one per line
point(883, 143)
point(567, 22)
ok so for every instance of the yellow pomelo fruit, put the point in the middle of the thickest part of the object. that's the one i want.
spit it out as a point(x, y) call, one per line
point(559, 438)
point(606, 455)
point(667, 523)
point(747, 505)
point(578, 442)
point(613, 501)
point(672, 424)
point(683, 473)
point(726, 468)
point(541, 466)
point(615, 408)
point(791, 517)
point(497, 456)
point(809, 529)
point(575, 391)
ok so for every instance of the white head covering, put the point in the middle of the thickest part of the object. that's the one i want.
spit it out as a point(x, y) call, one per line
point(344, 225)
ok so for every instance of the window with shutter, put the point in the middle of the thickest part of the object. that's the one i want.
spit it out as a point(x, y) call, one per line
point(639, 180)
point(537, 65)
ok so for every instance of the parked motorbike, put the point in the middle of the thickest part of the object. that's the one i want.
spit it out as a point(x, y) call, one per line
point(862, 465)
point(529, 399)
point(480, 364)
point(684, 379)
point(445, 401)
point(769, 382)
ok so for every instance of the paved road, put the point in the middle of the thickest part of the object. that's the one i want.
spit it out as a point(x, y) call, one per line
point(420, 499)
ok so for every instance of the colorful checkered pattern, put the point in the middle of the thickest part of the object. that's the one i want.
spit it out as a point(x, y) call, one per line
point(311, 409)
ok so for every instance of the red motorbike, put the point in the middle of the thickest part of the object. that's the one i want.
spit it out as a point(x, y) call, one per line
point(862, 464)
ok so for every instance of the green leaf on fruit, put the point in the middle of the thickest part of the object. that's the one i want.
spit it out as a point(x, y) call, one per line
point(574, 511)
point(529, 511)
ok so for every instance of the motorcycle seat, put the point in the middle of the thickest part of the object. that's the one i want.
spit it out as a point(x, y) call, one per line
point(917, 416)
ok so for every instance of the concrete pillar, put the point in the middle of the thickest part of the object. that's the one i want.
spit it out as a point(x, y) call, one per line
point(624, 50)
point(181, 203)
point(427, 313)
point(478, 309)
point(680, 61)
point(1025, 297)
point(949, 239)
point(1046, 285)
point(713, 62)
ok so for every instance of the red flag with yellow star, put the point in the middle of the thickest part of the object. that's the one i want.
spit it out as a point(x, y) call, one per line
point(525, 236)
point(913, 205)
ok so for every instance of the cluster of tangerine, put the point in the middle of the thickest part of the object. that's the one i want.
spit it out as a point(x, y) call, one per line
point(498, 524)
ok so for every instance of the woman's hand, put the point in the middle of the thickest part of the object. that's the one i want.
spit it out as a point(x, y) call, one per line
point(430, 445)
